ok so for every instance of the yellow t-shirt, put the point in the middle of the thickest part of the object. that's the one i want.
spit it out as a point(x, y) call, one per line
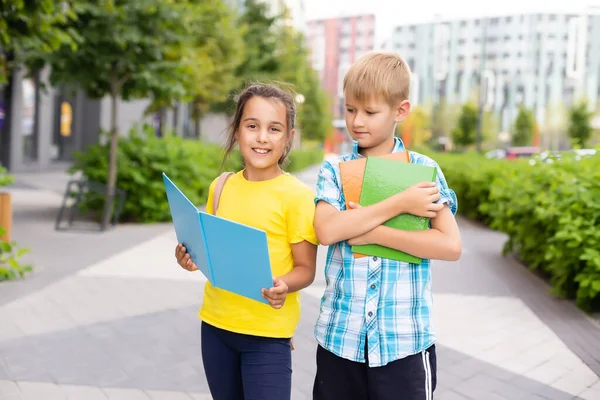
point(284, 208)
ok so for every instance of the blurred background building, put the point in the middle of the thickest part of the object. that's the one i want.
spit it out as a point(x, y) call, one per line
point(534, 60)
point(335, 44)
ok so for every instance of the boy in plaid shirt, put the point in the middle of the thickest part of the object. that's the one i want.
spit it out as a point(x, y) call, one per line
point(374, 331)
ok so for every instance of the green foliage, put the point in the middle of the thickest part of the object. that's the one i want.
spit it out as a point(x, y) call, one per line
point(10, 252)
point(140, 49)
point(580, 128)
point(127, 49)
point(10, 266)
point(524, 128)
point(31, 27)
point(444, 116)
point(215, 50)
point(275, 52)
point(550, 212)
point(6, 178)
point(314, 114)
point(305, 157)
point(464, 134)
point(143, 157)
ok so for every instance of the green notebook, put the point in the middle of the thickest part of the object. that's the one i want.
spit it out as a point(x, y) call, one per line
point(384, 178)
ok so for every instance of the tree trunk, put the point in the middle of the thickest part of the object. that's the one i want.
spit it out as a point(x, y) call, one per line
point(197, 126)
point(5, 134)
point(112, 162)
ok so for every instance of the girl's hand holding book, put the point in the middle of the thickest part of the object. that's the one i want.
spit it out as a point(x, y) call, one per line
point(277, 294)
point(183, 258)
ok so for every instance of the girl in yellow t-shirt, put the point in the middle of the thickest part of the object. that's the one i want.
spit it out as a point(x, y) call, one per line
point(246, 348)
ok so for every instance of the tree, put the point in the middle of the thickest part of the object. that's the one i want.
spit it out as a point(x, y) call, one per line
point(125, 49)
point(275, 52)
point(260, 44)
point(314, 116)
point(464, 134)
point(30, 26)
point(415, 129)
point(524, 128)
point(27, 27)
point(580, 129)
point(211, 59)
point(443, 116)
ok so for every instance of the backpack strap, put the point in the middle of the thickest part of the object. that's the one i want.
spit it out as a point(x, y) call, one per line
point(219, 189)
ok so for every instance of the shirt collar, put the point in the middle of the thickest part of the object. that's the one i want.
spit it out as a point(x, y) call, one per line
point(398, 146)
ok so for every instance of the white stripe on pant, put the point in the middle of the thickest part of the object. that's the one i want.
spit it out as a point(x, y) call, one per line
point(427, 368)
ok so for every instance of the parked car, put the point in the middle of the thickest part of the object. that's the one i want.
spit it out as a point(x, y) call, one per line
point(548, 157)
point(512, 153)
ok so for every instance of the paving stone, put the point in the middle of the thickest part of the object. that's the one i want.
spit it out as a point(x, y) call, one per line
point(478, 386)
point(125, 394)
point(41, 390)
point(451, 395)
point(9, 388)
point(202, 396)
point(73, 392)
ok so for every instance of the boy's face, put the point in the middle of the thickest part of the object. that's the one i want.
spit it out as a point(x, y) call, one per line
point(371, 123)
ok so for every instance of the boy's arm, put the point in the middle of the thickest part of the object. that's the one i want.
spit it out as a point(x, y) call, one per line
point(332, 224)
point(441, 242)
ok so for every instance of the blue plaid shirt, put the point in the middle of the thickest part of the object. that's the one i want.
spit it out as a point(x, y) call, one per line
point(385, 301)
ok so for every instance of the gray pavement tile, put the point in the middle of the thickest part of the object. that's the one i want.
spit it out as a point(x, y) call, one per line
point(17, 396)
point(8, 387)
point(83, 393)
point(4, 374)
point(125, 394)
point(478, 386)
point(450, 395)
point(161, 395)
point(145, 352)
point(41, 390)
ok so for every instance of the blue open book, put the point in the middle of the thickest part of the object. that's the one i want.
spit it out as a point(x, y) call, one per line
point(232, 256)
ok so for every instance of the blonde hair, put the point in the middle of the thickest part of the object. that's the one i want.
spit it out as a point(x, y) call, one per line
point(378, 74)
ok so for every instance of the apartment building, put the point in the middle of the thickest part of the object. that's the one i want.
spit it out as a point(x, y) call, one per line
point(540, 60)
point(335, 44)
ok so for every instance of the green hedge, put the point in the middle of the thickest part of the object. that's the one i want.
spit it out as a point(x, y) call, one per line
point(551, 213)
point(303, 158)
point(142, 158)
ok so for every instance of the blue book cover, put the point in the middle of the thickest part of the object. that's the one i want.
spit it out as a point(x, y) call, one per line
point(232, 256)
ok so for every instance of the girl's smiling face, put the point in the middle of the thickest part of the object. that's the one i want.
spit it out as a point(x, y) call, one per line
point(262, 137)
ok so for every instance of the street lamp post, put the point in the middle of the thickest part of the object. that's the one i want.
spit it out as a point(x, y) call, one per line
point(482, 85)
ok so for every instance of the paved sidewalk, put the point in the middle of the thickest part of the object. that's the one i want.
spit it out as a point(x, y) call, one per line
point(124, 326)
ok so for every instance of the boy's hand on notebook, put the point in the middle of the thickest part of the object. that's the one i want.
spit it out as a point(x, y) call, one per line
point(277, 294)
point(183, 258)
point(420, 200)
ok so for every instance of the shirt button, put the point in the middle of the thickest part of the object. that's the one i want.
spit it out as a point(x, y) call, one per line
point(374, 258)
point(373, 286)
point(370, 313)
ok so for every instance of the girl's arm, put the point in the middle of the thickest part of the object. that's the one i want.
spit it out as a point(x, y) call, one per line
point(301, 276)
point(441, 242)
point(305, 263)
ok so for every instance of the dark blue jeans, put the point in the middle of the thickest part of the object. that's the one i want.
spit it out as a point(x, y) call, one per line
point(244, 367)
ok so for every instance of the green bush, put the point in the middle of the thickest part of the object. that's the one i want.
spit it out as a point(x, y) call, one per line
point(10, 251)
point(551, 213)
point(143, 157)
point(305, 157)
